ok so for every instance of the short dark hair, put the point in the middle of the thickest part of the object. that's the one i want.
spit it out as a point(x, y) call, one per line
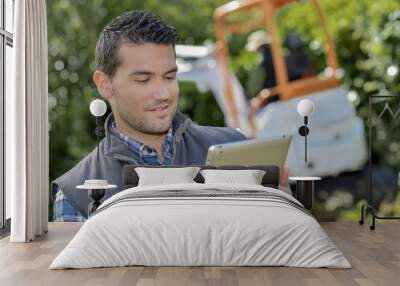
point(137, 27)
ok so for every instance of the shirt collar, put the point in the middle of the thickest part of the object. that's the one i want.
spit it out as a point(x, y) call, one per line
point(114, 147)
point(145, 152)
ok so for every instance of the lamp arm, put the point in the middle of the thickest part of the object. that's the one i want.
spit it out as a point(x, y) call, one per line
point(305, 137)
point(97, 135)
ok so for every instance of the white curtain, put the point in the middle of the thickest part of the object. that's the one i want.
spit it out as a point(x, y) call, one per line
point(27, 124)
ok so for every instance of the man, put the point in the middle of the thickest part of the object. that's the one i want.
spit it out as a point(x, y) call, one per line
point(136, 73)
point(264, 75)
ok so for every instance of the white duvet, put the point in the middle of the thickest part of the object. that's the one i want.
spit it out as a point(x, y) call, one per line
point(268, 228)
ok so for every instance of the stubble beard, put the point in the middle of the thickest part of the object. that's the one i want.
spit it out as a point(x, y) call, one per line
point(145, 127)
point(142, 126)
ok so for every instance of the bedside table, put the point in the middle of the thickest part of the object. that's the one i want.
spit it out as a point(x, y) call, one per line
point(96, 191)
point(304, 191)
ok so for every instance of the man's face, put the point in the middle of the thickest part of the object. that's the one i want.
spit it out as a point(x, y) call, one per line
point(144, 88)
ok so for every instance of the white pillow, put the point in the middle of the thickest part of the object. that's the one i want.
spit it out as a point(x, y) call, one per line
point(162, 176)
point(248, 177)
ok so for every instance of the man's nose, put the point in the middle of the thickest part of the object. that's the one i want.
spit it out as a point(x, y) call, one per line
point(161, 92)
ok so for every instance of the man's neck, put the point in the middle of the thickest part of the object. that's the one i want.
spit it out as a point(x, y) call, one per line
point(153, 140)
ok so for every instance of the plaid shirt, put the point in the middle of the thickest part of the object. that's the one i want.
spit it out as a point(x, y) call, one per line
point(62, 208)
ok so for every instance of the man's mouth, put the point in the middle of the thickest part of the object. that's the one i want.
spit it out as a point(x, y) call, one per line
point(160, 110)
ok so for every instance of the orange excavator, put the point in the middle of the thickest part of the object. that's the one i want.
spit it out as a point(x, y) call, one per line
point(334, 127)
point(261, 14)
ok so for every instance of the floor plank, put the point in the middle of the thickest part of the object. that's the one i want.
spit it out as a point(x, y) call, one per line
point(375, 257)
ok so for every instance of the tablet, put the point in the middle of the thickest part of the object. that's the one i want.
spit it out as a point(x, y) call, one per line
point(271, 151)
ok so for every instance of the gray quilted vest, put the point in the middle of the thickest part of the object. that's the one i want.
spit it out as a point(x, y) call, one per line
point(190, 144)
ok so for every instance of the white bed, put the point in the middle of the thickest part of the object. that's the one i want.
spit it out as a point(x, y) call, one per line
point(201, 224)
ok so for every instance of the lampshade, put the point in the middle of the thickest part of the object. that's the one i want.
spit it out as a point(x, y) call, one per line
point(305, 107)
point(98, 107)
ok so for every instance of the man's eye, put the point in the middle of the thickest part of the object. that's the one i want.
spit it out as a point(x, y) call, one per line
point(171, 77)
point(142, 80)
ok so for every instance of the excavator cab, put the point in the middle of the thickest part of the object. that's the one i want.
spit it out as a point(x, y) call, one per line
point(243, 16)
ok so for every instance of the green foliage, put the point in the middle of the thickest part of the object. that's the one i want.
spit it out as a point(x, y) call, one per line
point(200, 107)
point(366, 34)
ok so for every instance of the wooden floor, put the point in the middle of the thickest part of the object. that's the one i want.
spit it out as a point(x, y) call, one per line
point(375, 256)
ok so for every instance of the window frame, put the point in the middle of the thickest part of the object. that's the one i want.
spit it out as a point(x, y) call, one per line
point(6, 39)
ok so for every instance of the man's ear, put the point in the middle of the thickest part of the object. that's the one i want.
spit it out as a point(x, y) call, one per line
point(103, 84)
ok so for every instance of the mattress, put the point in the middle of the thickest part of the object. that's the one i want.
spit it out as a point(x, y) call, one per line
point(201, 225)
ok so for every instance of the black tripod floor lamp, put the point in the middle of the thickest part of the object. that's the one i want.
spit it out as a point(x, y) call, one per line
point(368, 207)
